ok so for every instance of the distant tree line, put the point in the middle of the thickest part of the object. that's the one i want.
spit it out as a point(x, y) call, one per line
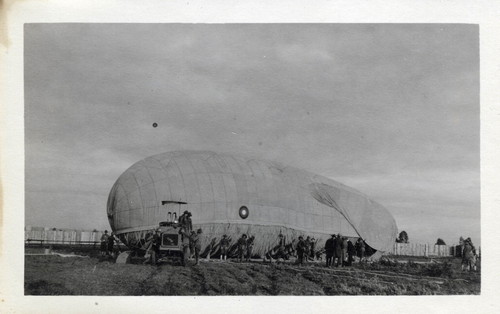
point(440, 242)
point(403, 237)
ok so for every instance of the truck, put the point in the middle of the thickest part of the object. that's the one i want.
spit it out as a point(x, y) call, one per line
point(170, 248)
point(170, 233)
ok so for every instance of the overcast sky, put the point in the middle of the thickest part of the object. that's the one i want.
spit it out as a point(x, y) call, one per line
point(391, 110)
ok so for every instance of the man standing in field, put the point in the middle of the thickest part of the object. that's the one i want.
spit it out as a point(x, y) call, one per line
point(461, 242)
point(360, 248)
point(329, 250)
point(104, 243)
point(351, 251)
point(313, 248)
point(242, 247)
point(196, 243)
point(155, 246)
point(468, 255)
point(307, 247)
point(224, 247)
point(250, 247)
point(191, 244)
point(301, 247)
point(185, 241)
point(111, 243)
point(337, 250)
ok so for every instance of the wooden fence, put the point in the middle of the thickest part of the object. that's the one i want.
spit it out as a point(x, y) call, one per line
point(417, 249)
point(33, 235)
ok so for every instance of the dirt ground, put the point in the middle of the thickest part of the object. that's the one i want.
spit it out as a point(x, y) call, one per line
point(90, 275)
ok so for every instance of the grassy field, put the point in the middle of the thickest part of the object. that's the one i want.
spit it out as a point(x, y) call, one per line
point(56, 275)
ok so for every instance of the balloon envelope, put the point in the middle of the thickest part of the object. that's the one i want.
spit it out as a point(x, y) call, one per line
point(234, 195)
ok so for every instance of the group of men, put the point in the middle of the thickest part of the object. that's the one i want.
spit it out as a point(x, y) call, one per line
point(190, 239)
point(245, 247)
point(107, 243)
point(469, 256)
point(305, 249)
point(340, 251)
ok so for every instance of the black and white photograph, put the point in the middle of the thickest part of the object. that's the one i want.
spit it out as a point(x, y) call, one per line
point(252, 159)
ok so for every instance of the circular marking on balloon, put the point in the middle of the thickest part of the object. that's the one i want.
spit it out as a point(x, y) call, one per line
point(244, 212)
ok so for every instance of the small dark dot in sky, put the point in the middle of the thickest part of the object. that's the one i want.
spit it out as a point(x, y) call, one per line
point(155, 125)
point(96, 303)
point(260, 143)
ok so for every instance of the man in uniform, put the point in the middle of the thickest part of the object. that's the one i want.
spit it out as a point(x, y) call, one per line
point(351, 251)
point(155, 246)
point(189, 222)
point(186, 222)
point(191, 244)
point(111, 243)
point(182, 218)
point(185, 241)
point(104, 243)
point(360, 249)
point(468, 255)
point(301, 247)
point(307, 248)
point(461, 243)
point(250, 247)
point(242, 247)
point(224, 247)
point(313, 248)
point(329, 250)
point(196, 243)
point(337, 250)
